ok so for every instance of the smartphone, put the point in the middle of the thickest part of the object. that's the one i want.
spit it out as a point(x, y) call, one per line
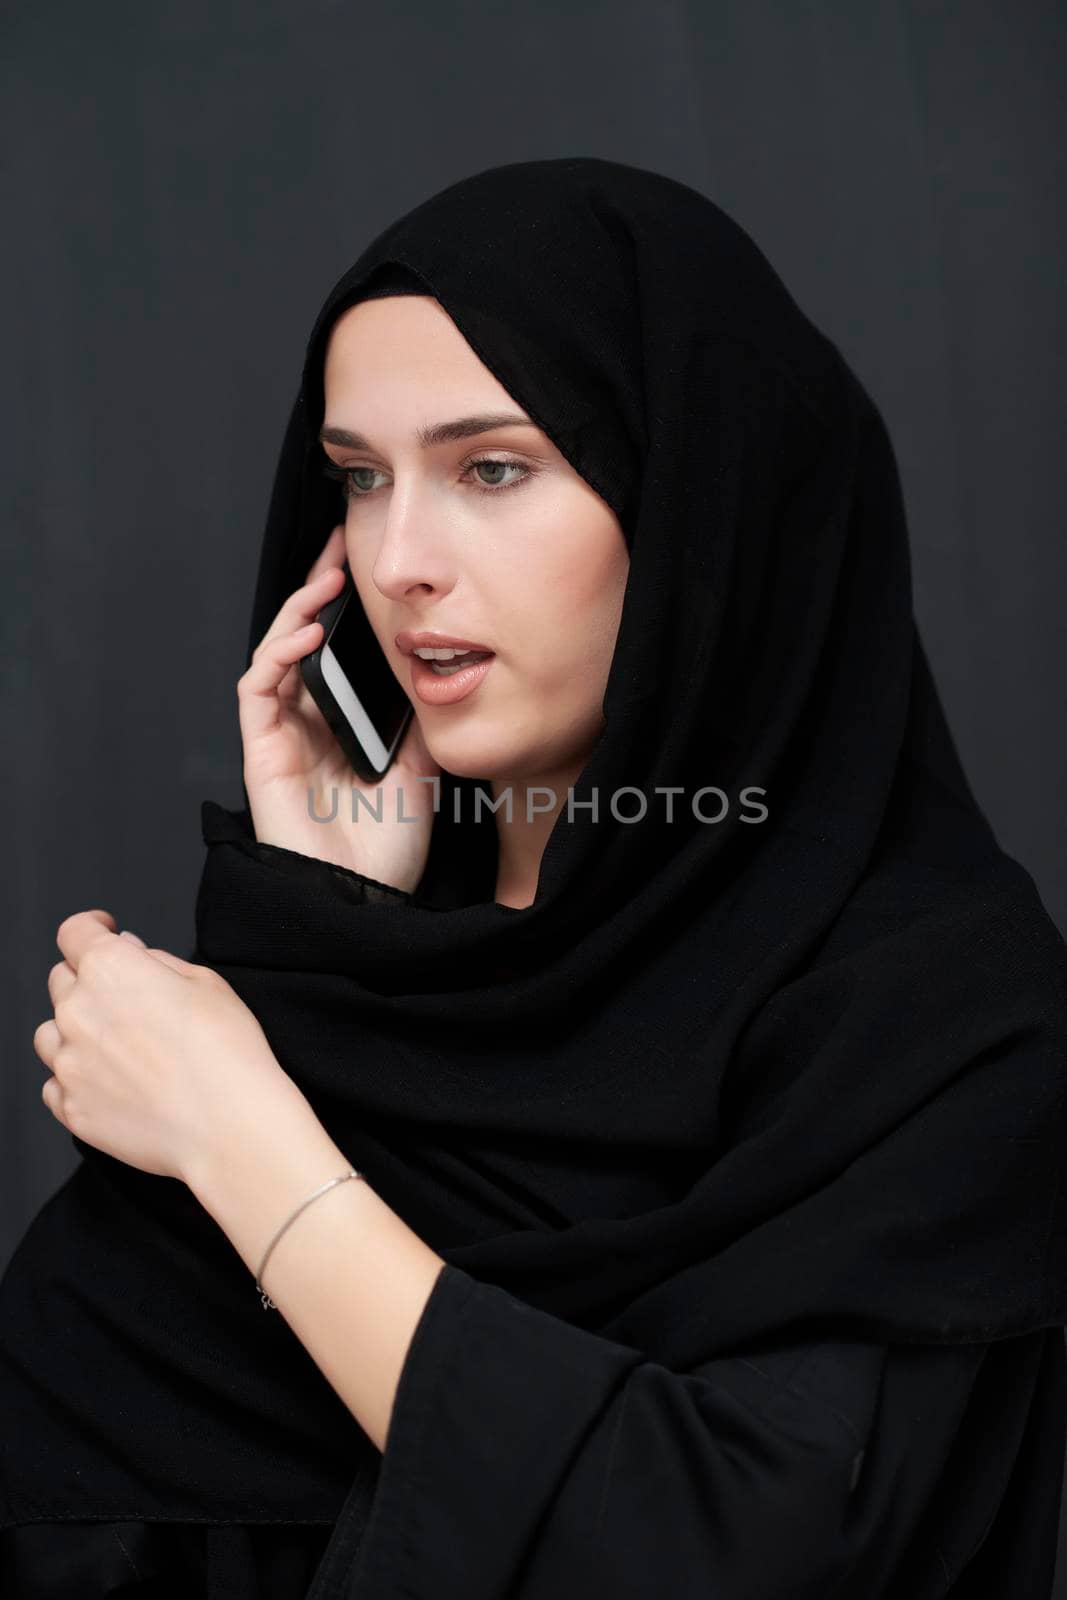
point(350, 680)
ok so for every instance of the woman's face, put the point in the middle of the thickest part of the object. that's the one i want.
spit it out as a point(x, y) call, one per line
point(525, 558)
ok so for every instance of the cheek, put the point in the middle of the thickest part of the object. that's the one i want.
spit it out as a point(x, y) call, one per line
point(374, 605)
point(587, 597)
point(581, 602)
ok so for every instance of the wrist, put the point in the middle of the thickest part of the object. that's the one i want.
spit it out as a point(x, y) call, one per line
point(262, 1156)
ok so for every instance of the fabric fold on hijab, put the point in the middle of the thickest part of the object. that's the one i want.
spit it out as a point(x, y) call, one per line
point(723, 1082)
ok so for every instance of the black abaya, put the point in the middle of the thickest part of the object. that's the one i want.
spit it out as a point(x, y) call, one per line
point(899, 1471)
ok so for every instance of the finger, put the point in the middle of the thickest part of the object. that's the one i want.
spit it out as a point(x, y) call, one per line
point(52, 1095)
point(46, 1041)
point(61, 977)
point(325, 581)
point(332, 553)
point(76, 934)
point(258, 689)
point(175, 963)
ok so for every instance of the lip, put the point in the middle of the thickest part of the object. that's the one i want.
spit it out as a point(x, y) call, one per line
point(433, 690)
point(409, 642)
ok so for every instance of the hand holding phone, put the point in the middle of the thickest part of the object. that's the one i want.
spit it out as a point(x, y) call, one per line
point(291, 749)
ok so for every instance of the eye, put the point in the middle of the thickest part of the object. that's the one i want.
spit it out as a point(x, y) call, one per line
point(353, 490)
point(497, 461)
point(346, 476)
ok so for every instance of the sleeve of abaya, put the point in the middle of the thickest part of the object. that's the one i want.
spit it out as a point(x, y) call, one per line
point(530, 1458)
point(235, 824)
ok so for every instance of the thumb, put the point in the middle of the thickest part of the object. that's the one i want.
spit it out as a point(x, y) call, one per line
point(174, 962)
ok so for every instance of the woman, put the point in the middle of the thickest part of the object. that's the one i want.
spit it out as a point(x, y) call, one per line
point(705, 1113)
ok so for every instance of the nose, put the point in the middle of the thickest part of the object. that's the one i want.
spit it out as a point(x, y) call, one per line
point(415, 553)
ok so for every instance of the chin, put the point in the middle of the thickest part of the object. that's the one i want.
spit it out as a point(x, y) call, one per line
point(476, 755)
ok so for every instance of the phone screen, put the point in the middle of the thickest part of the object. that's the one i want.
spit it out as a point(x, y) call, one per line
point(363, 685)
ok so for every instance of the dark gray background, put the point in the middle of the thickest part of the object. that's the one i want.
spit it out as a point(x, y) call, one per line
point(187, 180)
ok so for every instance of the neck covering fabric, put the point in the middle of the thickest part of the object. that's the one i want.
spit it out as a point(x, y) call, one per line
point(722, 1081)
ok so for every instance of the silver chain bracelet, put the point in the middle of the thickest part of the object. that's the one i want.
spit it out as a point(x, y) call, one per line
point(268, 1303)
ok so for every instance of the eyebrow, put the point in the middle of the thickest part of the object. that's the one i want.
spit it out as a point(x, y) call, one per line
point(434, 433)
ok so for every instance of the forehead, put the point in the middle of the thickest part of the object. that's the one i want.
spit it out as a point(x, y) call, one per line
point(380, 350)
point(394, 319)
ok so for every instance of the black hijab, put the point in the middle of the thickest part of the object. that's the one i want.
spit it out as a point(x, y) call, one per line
point(722, 1081)
point(742, 1072)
